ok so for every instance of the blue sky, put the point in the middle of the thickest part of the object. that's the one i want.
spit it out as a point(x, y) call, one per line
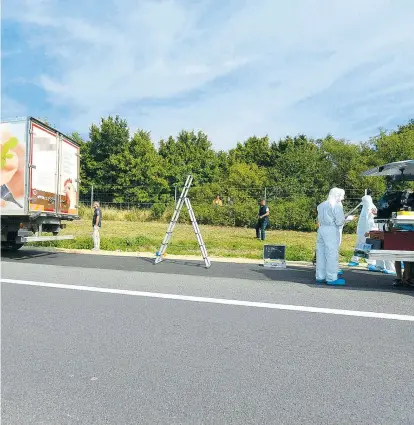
point(230, 68)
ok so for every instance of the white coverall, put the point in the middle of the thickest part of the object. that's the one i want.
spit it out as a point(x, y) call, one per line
point(341, 228)
point(331, 218)
point(366, 223)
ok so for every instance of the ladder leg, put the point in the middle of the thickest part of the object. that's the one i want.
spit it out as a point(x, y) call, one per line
point(197, 232)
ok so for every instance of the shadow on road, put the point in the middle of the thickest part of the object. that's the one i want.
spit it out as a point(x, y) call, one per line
point(359, 280)
point(27, 254)
point(178, 262)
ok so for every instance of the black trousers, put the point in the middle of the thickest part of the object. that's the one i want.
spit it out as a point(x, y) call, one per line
point(261, 229)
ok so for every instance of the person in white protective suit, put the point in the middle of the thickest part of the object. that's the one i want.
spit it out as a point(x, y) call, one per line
point(331, 219)
point(366, 223)
point(341, 229)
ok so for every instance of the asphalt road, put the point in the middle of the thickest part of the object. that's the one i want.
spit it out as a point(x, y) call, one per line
point(72, 356)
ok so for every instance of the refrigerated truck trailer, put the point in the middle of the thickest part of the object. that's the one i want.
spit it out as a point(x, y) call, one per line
point(397, 245)
point(39, 182)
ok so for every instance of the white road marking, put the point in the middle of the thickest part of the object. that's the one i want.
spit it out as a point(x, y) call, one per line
point(255, 304)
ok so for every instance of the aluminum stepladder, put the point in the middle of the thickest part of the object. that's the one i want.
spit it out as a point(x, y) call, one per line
point(183, 199)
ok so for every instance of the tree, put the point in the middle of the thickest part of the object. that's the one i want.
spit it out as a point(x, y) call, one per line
point(297, 171)
point(108, 140)
point(140, 171)
point(395, 146)
point(300, 168)
point(255, 150)
point(246, 181)
point(192, 154)
point(349, 161)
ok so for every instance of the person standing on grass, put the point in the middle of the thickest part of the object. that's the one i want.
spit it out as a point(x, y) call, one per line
point(96, 224)
point(263, 220)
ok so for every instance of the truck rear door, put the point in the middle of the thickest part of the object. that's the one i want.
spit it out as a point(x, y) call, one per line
point(68, 177)
point(43, 168)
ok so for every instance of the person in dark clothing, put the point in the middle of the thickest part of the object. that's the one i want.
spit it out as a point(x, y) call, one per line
point(404, 279)
point(263, 220)
point(96, 224)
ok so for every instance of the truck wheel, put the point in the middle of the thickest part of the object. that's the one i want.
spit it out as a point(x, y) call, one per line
point(10, 246)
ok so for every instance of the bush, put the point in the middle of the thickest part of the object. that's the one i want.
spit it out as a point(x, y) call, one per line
point(215, 216)
point(246, 214)
point(158, 210)
point(298, 214)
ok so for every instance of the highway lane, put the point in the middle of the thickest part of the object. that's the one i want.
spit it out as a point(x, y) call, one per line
point(71, 357)
point(295, 285)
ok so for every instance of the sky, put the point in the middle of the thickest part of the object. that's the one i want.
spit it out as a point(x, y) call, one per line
point(231, 68)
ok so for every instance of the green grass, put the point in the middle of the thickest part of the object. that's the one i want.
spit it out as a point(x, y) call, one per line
point(146, 236)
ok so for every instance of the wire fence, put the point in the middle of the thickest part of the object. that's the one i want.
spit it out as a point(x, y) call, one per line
point(146, 197)
point(238, 206)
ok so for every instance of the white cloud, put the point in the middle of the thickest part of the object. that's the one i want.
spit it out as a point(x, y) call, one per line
point(311, 66)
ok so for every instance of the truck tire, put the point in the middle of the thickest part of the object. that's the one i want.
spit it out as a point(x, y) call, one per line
point(10, 246)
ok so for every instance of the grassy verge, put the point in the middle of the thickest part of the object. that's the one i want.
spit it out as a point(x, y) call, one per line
point(220, 241)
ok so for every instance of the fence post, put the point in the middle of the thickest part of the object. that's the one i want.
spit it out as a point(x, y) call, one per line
point(91, 196)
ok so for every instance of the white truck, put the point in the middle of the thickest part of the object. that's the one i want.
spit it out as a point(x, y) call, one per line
point(395, 216)
point(39, 182)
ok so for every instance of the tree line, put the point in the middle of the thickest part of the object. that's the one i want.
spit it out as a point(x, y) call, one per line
point(298, 171)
